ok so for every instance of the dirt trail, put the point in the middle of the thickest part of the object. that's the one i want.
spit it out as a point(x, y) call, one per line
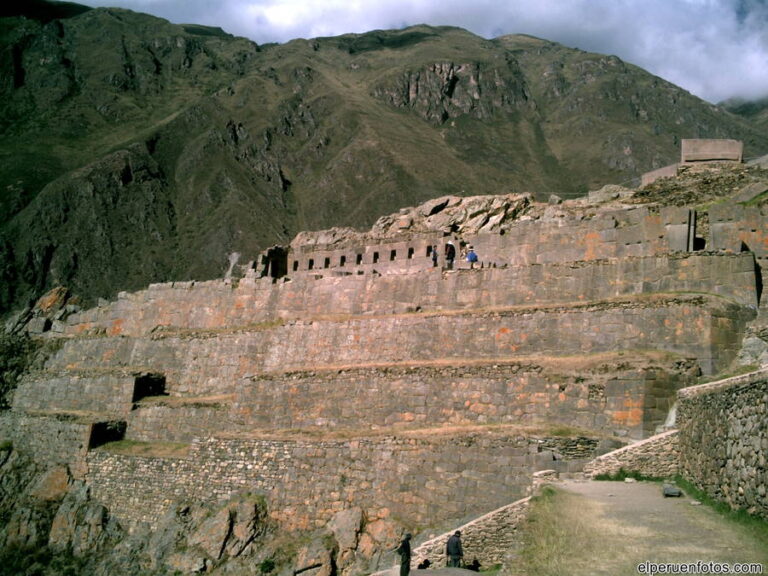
point(635, 523)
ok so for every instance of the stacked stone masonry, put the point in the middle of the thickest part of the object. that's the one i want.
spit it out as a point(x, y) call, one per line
point(730, 418)
point(489, 539)
point(201, 363)
point(385, 343)
point(252, 302)
point(612, 396)
point(414, 479)
point(654, 457)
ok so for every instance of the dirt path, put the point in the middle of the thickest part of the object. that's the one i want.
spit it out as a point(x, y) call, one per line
point(624, 524)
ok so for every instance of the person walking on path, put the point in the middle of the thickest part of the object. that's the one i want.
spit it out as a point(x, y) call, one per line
point(404, 550)
point(453, 550)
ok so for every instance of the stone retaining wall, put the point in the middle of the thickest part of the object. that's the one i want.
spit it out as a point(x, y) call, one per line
point(709, 330)
point(106, 393)
point(614, 396)
point(218, 304)
point(415, 480)
point(724, 440)
point(657, 456)
point(489, 538)
point(53, 440)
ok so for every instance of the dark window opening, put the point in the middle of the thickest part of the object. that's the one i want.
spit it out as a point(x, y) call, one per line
point(275, 263)
point(327, 263)
point(148, 385)
point(429, 251)
point(359, 259)
point(342, 261)
point(104, 432)
point(375, 257)
point(699, 243)
point(502, 232)
point(295, 265)
point(410, 253)
point(392, 255)
point(310, 264)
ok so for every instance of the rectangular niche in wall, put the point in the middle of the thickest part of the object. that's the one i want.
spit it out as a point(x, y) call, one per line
point(105, 432)
point(151, 384)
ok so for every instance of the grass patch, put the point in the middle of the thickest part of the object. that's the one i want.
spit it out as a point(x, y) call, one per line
point(491, 570)
point(147, 449)
point(621, 474)
point(556, 535)
point(756, 525)
point(564, 431)
point(737, 371)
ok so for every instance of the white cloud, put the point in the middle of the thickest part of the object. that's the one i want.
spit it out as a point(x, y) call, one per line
point(716, 49)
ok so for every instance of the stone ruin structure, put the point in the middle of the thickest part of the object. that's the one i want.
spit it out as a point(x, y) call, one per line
point(346, 370)
point(699, 152)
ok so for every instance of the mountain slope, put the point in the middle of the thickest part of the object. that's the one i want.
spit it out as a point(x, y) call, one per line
point(136, 151)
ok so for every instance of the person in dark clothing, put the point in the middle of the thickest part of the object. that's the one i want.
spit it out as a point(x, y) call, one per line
point(474, 565)
point(434, 256)
point(424, 564)
point(453, 550)
point(450, 255)
point(404, 550)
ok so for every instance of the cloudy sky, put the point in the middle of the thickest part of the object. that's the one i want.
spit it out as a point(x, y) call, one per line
point(716, 49)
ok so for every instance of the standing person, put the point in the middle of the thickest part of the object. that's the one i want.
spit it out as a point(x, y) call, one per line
point(450, 255)
point(434, 255)
point(471, 256)
point(453, 550)
point(404, 550)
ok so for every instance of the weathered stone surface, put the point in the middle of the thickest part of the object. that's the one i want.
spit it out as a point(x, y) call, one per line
point(80, 525)
point(317, 557)
point(655, 457)
point(730, 419)
point(346, 527)
point(213, 533)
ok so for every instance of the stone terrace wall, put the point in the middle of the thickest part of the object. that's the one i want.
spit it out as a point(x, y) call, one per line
point(489, 538)
point(724, 440)
point(218, 304)
point(105, 393)
point(415, 480)
point(54, 440)
point(657, 456)
point(561, 236)
point(614, 397)
point(736, 227)
point(159, 422)
point(211, 363)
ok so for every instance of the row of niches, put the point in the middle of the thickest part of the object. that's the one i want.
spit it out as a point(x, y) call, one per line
point(277, 261)
point(375, 258)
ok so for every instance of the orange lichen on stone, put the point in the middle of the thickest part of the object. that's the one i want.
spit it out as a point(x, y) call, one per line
point(54, 298)
point(592, 241)
point(632, 415)
point(116, 328)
